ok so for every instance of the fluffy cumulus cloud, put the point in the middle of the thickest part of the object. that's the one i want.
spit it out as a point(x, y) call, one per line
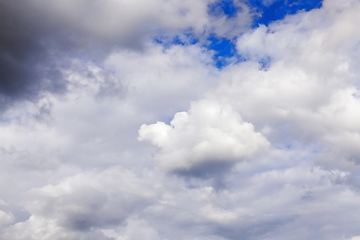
point(171, 120)
point(209, 134)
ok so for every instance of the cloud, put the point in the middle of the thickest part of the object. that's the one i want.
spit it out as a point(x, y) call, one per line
point(135, 229)
point(40, 228)
point(6, 218)
point(40, 39)
point(79, 206)
point(300, 76)
point(130, 21)
point(23, 55)
point(86, 201)
point(203, 139)
point(265, 148)
point(164, 80)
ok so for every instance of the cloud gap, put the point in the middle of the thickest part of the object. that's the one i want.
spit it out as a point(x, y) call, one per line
point(270, 11)
point(226, 7)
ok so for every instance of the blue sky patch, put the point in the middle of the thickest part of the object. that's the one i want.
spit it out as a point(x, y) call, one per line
point(224, 8)
point(184, 39)
point(269, 11)
point(224, 49)
point(222, 46)
point(265, 63)
point(280, 8)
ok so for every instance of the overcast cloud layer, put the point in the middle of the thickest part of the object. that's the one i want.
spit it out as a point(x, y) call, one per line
point(118, 123)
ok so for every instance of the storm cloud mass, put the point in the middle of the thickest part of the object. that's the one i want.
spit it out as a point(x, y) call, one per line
point(171, 120)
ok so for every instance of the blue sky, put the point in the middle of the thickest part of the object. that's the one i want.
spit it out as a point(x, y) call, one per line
point(268, 13)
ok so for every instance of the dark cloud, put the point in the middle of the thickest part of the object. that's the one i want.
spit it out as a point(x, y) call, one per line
point(207, 169)
point(27, 65)
point(34, 48)
point(39, 38)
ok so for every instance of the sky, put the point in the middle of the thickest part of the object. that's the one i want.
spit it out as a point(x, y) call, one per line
point(179, 119)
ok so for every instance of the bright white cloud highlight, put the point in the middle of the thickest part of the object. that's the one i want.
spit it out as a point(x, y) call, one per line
point(209, 133)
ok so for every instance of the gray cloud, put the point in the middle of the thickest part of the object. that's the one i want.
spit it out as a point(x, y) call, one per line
point(95, 200)
point(38, 39)
point(24, 59)
point(35, 47)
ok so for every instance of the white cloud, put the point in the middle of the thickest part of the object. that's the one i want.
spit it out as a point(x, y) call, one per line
point(208, 133)
point(37, 228)
point(355, 238)
point(307, 92)
point(92, 200)
point(131, 22)
point(159, 80)
point(135, 229)
point(6, 218)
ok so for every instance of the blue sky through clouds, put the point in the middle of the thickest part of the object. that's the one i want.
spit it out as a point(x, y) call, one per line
point(275, 10)
point(266, 12)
